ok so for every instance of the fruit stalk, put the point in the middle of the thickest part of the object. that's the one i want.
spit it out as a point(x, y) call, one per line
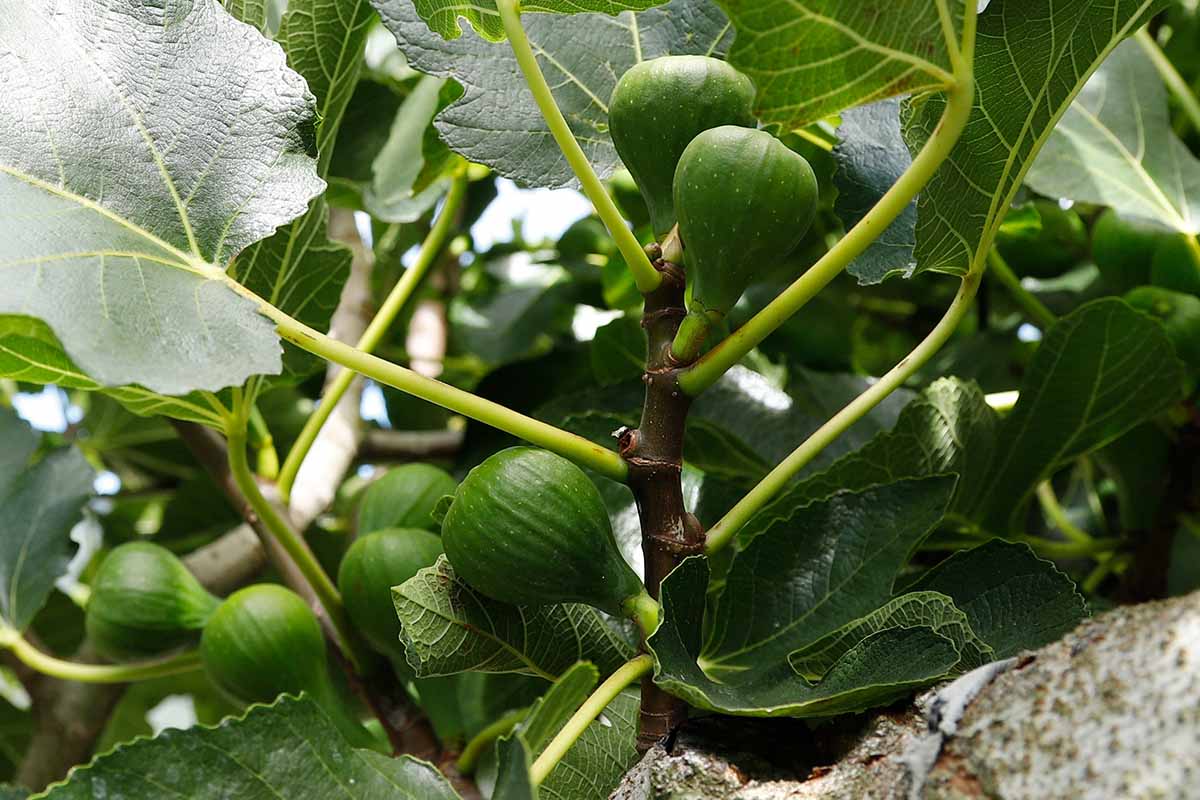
point(654, 453)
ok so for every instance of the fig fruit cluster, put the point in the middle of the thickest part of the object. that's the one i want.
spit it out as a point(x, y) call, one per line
point(685, 129)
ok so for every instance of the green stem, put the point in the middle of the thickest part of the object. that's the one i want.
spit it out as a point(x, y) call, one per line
point(46, 664)
point(566, 444)
point(401, 293)
point(267, 461)
point(1051, 549)
point(295, 547)
point(726, 529)
point(644, 610)
point(476, 747)
point(1032, 307)
point(605, 693)
point(960, 99)
point(1058, 515)
point(1171, 77)
point(1109, 564)
point(645, 275)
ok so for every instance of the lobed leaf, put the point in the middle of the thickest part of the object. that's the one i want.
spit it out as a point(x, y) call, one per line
point(1099, 372)
point(162, 180)
point(822, 566)
point(1012, 599)
point(814, 58)
point(881, 668)
point(1115, 147)
point(1031, 58)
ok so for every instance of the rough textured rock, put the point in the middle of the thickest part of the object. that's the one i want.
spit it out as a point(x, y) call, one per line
point(1110, 711)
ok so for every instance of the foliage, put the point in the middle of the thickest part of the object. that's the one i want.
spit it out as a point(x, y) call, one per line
point(853, 482)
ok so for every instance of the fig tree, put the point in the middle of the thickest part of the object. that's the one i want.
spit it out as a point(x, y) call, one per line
point(659, 106)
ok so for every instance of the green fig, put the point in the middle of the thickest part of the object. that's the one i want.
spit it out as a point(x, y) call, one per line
point(744, 202)
point(371, 567)
point(404, 498)
point(1176, 265)
point(1123, 249)
point(529, 527)
point(659, 106)
point(1179, 314)
point(264, 641)
point(145, 602)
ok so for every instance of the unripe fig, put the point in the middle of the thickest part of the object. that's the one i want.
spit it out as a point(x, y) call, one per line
point(528, 527)
point(404, 498)
point(264, 641)
point(371, 567)
point(1179, 314)
point(1059, 244)
point(1176, 265)
point(659, 106)
point(144, 602)
point(1123, 249)
point(744, 202)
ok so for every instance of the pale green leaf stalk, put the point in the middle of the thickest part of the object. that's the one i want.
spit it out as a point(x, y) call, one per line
point(46, 664)
point(705, 372)
point(396, 300)
point(292, 542)
point(568, 445)
point(644, 274)
point(721, 534)
point(1171, 77)
point(591, 709)
point(1034, 308)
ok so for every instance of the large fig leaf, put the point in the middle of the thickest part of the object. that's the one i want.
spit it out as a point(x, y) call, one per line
point(141, 147)
point(821, 567)
point(496, 121)
point(1115, 147)
point(39, 504)
point(1013, 600)
point(448, 628)
point(1098, 372)
point(1031, 58)
point(880, 668)
point(289, 749)
point(871, 156)
point(813, 59)
point(30, 352)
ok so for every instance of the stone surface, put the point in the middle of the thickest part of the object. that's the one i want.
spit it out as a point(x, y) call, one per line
point(1110, 711)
